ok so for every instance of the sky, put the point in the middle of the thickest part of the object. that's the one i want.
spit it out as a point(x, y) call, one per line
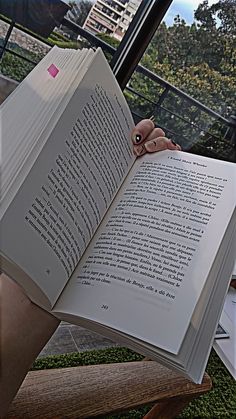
point(185, 8)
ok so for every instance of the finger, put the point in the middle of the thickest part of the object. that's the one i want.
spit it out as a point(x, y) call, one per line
point(142, 130)
point(172, 145)
point(154, 134)
point(139, 150)
point(159, 144)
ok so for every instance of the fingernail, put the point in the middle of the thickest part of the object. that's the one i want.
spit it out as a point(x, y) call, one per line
point(137, 138)
point(173, 142)
point(138, 151)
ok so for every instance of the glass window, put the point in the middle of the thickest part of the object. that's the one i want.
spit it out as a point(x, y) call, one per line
point(103, 20)
point(186, 78)
point(191, 56)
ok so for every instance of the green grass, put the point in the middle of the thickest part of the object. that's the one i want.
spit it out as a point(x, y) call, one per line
point(219, 403)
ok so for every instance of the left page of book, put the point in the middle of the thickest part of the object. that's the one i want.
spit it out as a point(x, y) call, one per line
point(25, 129)
point(58, 208)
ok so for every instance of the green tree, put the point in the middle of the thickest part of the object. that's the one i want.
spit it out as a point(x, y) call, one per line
point(200, 60)
point(217, 34)
point(221, 14)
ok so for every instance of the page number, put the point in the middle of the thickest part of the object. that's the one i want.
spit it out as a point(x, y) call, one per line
point(104, 307)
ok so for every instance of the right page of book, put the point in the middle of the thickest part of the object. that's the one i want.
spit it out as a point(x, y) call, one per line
point(147, 265)
point(226, 348)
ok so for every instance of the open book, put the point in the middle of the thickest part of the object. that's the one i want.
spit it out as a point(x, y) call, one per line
point(136, 249)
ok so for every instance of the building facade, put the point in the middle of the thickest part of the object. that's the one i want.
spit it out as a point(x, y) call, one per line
point(111, 17)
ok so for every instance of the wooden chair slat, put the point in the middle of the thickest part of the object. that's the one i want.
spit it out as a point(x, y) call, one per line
point(98, 390)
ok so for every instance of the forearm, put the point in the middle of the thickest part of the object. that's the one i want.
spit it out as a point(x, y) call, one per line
point(25, 329)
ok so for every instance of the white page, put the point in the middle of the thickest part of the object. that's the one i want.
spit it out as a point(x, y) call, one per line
point(226, 348)
point(72, 183)
point(32, 142)
point(144, 272)
point(34, 121)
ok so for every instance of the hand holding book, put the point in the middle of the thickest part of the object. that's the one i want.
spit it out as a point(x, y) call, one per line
point(149, 139)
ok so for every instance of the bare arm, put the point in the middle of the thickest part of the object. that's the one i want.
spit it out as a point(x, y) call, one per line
point(25, 329)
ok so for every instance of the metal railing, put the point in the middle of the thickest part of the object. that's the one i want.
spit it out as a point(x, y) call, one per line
point(187, 121)
point(190, 123)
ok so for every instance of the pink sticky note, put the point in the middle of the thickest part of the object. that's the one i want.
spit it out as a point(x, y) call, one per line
point(53, 70)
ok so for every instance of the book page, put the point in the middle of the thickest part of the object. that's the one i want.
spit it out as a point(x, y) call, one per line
point(147, 265)
point(61, 203)
point(44, 101)
point(226, 348)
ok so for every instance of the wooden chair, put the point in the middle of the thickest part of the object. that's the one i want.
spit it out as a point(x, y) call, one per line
point(100, 390)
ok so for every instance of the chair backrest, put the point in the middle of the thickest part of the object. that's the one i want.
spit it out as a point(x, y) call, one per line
point(7, 86)
point(99, 390)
